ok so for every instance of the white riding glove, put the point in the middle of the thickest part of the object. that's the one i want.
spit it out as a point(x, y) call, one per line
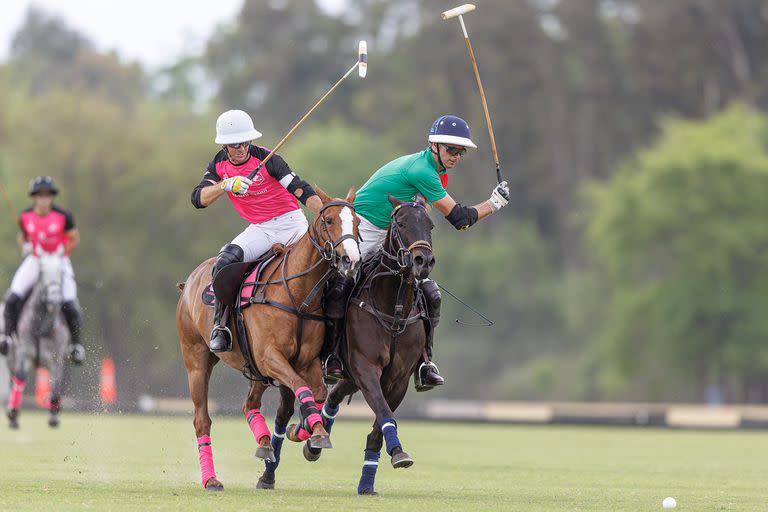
point(238, 185)
point(26, 249)
point(500, 197)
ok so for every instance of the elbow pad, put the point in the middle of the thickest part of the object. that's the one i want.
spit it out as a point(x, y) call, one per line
point(297, 184)
point(196, 198)
point(462, 216)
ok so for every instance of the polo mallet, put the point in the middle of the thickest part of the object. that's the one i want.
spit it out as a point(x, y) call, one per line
point(8, 203)
point(362, 69)
point(452, 13)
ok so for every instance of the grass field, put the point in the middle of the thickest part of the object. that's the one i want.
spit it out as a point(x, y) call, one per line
point(113, 462)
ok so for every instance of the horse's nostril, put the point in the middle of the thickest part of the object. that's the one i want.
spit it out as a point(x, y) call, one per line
point(419, 260)
point(345, 259)
point(431, 261)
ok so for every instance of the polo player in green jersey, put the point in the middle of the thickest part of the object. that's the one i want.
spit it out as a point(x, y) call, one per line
point(424, 173)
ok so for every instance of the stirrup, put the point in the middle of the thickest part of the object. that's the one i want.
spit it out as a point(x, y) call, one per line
point(418, 383)
point(332, 379)
point(227, 334)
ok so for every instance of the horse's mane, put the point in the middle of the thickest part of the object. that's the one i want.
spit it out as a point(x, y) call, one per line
point(279, 249)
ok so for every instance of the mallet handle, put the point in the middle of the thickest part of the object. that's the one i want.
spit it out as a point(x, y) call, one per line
point(8, 203)
point(485, 104)
point(296, 126)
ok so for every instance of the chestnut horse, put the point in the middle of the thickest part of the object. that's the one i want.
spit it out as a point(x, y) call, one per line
point(386, 335)
point(329, 245)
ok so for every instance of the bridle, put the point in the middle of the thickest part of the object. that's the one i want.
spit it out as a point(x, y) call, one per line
point(401, 254)
point(327, 248)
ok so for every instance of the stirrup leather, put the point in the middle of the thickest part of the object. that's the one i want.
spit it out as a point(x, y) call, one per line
point(420, 386)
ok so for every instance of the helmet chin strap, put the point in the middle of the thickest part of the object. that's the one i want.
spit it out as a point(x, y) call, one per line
point(229, 157)
point(439, 159)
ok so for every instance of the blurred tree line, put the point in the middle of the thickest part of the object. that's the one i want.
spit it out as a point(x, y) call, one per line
point(629, 265)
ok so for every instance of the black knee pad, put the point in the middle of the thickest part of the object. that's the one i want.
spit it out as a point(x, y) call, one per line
point(336, 295)
point(432, 294)
point(230, 253)
point(13, 305)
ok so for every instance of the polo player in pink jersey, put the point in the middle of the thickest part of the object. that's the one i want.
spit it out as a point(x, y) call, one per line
point(269, 202)
point(44, 228)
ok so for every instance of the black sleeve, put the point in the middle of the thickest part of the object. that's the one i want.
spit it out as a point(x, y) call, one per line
point(278, 169)
point(462, 216)
point(209, 178)
point(69, 222)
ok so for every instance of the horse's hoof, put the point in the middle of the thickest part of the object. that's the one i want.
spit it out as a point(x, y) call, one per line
point(311, 454)
point(367, 492)
point(264, 483)
point(401, 460)
point(13, 418)
point(53, 421)
point(213, 485)
point(320, 441)
point(292, 433)
point(267, 453)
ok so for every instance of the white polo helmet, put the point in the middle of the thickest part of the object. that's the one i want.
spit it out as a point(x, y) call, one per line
point(234, 126)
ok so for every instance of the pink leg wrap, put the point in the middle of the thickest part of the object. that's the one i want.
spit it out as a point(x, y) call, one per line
point(258, 425)
point(17, 393)
point(302, 434)
point(205, 453)
point(308, 399)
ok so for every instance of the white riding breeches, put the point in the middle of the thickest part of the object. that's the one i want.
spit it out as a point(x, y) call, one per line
point(29, 271)
point(372, 237)
point(257, 239)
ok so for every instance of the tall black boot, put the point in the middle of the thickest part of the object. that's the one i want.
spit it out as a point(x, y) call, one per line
point(428, 376)
point(221, 337)
point(71, 312)
point(11, 319)
point(334, 304)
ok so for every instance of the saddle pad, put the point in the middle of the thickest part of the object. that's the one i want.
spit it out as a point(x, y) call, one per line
point(249, 290)
point(208, 295)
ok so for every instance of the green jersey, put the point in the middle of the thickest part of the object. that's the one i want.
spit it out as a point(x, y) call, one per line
point(403, 177)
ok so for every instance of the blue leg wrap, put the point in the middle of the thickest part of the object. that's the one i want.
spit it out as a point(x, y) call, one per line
point(389, 429)
point(367, 478)
point(329, 416)
point(277, 444)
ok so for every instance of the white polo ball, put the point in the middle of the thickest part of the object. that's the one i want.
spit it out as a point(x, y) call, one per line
point(669, 502)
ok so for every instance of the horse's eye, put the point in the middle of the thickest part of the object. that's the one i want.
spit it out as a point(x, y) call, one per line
point(400, 225)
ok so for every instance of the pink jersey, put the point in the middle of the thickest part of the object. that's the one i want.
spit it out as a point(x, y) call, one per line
point(266, 197)
point(48, 231)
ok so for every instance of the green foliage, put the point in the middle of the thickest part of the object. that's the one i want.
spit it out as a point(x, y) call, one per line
point(678, 234)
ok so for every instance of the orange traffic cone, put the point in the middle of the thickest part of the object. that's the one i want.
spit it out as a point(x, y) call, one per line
point(42, 388)
point(108, 387)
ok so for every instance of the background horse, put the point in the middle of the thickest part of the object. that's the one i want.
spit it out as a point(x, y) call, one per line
point(330, 245)
point(42, 341)
point(385, 335)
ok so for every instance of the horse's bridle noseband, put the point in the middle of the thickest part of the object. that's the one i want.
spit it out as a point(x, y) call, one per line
point(328, 248)
point(404, 255)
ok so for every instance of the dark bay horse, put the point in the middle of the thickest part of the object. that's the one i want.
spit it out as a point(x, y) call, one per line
point(329, 245)
point(386, 336)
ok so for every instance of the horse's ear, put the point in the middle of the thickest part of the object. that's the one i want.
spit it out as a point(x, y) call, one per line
point(395, 202)
point(351, 194)
point(322, 195)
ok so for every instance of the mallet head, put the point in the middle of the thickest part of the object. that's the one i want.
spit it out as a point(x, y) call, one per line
point(362, 67)
point(458, 11)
